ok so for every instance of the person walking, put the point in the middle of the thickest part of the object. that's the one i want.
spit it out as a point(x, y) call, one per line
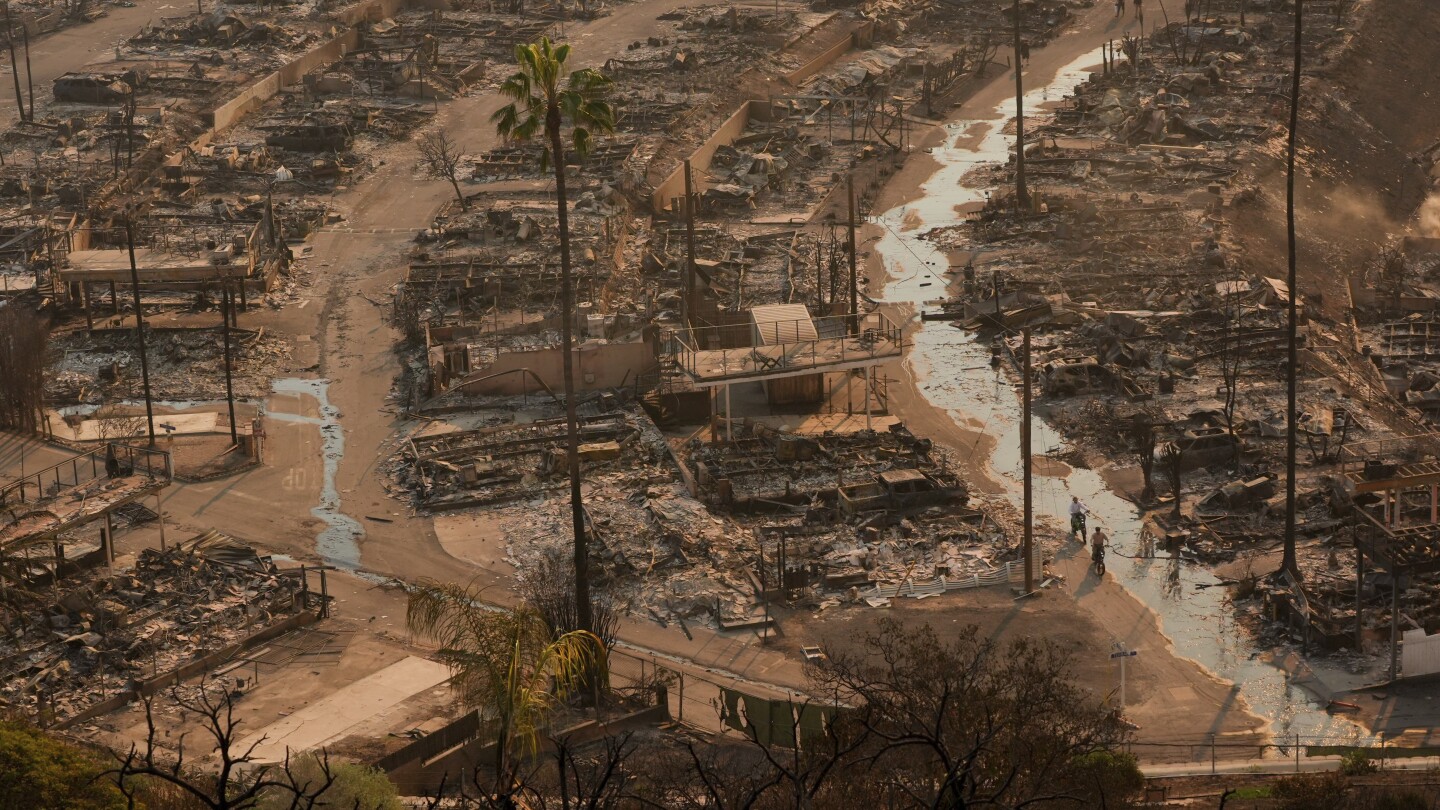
point(1119, 8)
point(1140, 12)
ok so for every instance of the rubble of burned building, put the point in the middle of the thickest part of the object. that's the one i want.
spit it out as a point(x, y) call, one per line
point(86, 627)
point(748, 287)
point(808, 520)
point(95, 635)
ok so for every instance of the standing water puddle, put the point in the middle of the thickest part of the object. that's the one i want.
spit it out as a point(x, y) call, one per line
point(338, 543)
point(953, 371)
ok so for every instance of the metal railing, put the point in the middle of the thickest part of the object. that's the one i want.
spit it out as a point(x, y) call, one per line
point(1262, 752)
point(835, 343)
point(1399, 449)
point(111, 460)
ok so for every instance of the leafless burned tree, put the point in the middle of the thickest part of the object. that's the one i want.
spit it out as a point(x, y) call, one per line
point(958, 721)
point(441, 158)
point(1232, 358)
point(1142, 442)
point(1172, 460)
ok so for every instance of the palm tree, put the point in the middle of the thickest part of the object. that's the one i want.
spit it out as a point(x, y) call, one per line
point(505, 662)
point(544, 98)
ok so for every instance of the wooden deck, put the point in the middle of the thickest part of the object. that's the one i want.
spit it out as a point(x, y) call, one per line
point(78, 490)
point(1404, 477)
point(768, 362)
point(42, 520)
point(824, 345)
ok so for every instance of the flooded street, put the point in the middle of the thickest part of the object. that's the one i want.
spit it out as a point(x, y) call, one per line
point(952, 371)
point(338, 542)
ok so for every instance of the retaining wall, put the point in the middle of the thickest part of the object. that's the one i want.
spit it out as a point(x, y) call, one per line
point(673, 186)
point(857, 38)
point(252, 97)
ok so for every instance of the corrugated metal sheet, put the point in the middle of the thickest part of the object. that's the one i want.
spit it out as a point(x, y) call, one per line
point(782, 323)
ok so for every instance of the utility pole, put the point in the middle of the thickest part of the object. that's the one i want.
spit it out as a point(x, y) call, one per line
point(1022, 196)
point(14, 64)
point(140, 328)
point(29, 74)
point(226, 307)
point(1028, 533)
point(687, 281)
point(1288, 562)
point(854, 274)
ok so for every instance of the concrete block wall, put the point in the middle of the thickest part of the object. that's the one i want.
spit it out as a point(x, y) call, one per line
point(674, 185)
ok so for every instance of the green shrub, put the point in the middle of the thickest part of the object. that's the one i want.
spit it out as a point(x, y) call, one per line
point(356, 786)
point(1356, 762)
point(1114, 775)
point(41, 771)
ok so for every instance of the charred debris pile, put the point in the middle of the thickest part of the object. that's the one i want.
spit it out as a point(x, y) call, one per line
point(769, 516)
point(93, 635)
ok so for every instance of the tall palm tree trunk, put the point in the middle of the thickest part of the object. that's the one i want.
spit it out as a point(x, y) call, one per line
point(583, 619)
point(1288, 561)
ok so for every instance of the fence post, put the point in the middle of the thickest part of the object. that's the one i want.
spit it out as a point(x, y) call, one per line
point(681, 718)
point(1297, 752)
point(1212, 754)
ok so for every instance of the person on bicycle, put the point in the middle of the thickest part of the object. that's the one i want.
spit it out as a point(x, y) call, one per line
point(1078, 511)
point(1098, 540)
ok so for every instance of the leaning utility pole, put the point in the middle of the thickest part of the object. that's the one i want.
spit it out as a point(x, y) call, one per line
point(687, 282)
point(1022, 196)
point(140, 327)
point(1028, 532)
point(227, 306)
